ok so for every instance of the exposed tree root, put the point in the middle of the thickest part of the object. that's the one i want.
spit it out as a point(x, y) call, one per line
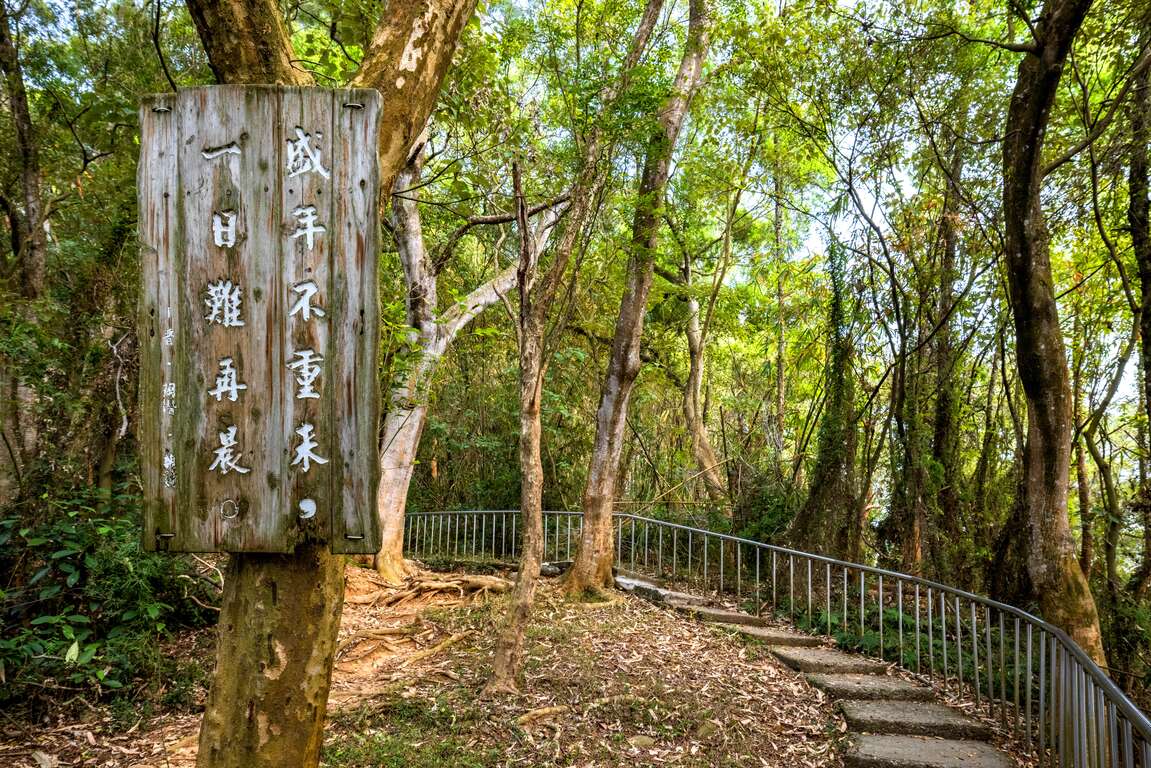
point(494, 688)
point(428, 652)
point(375, 633)
point(544, 712)
point(423, 586)
point(608, 603)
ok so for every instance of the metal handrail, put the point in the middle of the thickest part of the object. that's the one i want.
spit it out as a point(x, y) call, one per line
point(1072, 714)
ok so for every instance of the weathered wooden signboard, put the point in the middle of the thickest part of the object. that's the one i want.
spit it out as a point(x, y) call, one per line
point(258, 318)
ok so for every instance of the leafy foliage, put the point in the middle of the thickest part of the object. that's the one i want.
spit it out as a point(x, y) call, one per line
point(90, 612)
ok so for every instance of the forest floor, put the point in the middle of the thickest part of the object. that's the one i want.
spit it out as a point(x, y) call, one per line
point(623, 683)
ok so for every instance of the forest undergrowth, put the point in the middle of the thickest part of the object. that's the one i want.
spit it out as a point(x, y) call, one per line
point(615, 683)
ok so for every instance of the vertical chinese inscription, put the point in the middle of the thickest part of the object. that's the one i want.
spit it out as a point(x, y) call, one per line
point(258, 401)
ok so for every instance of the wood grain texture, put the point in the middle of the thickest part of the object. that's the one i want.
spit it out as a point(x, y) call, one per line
point(223, 151)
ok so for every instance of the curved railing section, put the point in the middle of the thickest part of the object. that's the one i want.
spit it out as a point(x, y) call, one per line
point(1031, 675)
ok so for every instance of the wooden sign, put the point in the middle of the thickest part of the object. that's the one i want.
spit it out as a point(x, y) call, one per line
point(258, 318)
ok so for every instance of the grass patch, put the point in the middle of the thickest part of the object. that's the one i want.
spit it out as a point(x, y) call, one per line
point(406, 733)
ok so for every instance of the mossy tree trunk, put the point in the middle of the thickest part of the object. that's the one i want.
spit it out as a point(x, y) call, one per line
point(827, 523)
point(1064, 595)
point(1139, 222)
point(25, 215)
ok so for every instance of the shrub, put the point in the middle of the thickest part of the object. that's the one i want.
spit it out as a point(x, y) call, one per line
point(84, 606)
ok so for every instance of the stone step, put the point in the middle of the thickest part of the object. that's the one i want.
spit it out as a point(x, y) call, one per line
point(720, 615)
point(654, 592)
point(873, 751)
point(828, 660)
point(683, 598)
point(911, 718)
point(870, 687)
point(776, 636)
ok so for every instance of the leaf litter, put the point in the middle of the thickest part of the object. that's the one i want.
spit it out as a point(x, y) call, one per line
point(619, 683)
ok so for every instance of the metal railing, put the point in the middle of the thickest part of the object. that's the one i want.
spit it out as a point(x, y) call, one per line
point(1032, 676)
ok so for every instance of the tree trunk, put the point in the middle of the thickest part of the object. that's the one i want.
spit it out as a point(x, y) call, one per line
point(945, 443)
point(33, 243)
point(535, 301)
point(407, 407)
point(1082, 478)
point(1064, 595)
point(509, 649)
point(19, 428)
point(403, 427)
point(536, 297)
point(1139, 222)
point(701, 448)
point(826, 522)
point(1086, 512)
point(281, 614)
point(905, 528)
point(432, 331)
point(1113, 511)
point(277, 637)
point(592, 566)
point(780, 327)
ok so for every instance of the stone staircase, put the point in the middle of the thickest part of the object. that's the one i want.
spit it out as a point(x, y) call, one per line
point(893, 722)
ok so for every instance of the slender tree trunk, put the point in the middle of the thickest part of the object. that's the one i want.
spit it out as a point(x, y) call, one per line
point(281, 613)
point(1086, 511)
point(945, 446)
point(432, 331)
point(701, 448)
point(1082, 478)
point(780, 326)
point(536, 297)
point(19, 428)
point(1138, 221)
point(1064, 595)
point(509, 649)
point(1114, 511)
point(33, 243)
point(984, 466)
point(592, 566)
point(906, 525)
